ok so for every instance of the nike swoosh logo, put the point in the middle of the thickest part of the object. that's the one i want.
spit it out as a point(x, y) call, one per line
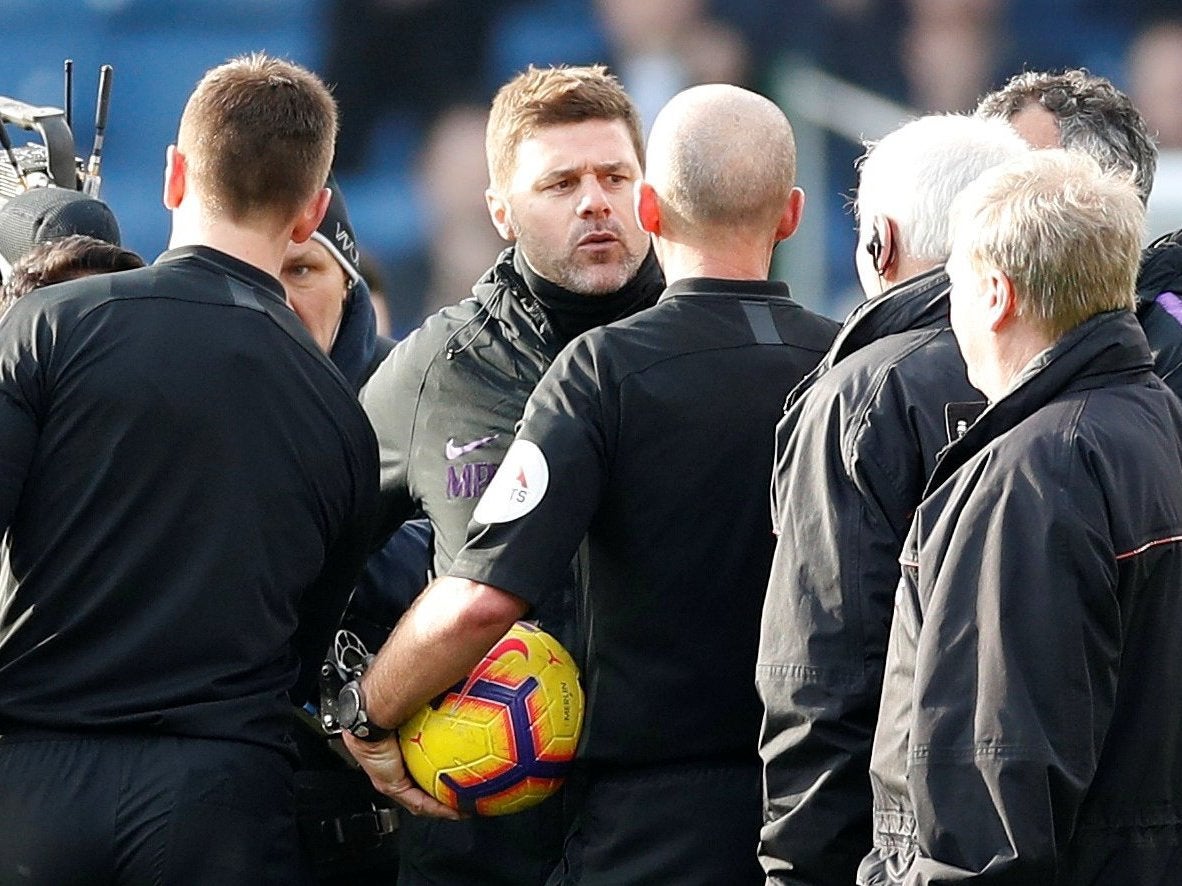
point(452, 450)
point(508, 644)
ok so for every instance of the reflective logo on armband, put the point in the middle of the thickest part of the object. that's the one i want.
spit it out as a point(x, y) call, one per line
point(517, 487)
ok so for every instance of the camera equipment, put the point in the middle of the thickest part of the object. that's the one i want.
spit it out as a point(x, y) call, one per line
point(346, 662)
point(52, 162)
point(346, 827)
point(91, 181)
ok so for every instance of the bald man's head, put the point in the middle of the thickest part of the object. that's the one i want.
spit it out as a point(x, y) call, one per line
point(721, 155)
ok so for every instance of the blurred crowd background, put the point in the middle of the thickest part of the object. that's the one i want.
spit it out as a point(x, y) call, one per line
point(414, 79)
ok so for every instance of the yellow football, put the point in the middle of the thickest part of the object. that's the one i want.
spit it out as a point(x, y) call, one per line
point(503, 739)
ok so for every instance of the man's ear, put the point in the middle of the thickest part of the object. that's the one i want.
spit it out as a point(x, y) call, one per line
point(883, 247)
point(174, 178)
point(793, 212)
point(1001, 305)
point(648, 209)
point(498, 211)
point(311, 216)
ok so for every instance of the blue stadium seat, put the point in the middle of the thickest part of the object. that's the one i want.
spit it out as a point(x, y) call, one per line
point(135, 197)
point(384, 209)
point(236, 15)
point(543, 33)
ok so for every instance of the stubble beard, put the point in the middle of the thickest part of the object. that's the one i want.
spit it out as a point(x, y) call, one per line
point(584, 273)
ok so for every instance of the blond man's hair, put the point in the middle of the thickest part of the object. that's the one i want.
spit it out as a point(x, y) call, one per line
point(258, 135)
point(1066, 232)
point(540, 97)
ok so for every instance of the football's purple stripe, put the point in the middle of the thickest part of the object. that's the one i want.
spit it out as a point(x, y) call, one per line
point(526, 766)
point(500, 693)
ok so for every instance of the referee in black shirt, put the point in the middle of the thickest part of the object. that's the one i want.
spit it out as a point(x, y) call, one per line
point(184, 482)
point(652, 437)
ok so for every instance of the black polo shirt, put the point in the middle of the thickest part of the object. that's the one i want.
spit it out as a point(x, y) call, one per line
point(184, 481)
point(653, 437)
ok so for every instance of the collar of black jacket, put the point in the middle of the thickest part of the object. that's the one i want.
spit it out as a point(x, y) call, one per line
point(572, 313)
point(353, 348)
point(719, 286)
point(558, 314)
point(228, 264)
point(917, 303)
point(1100, 349)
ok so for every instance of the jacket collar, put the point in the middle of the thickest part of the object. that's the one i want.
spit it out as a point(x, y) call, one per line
point(1100, 351)
point(250, 274)
point(354, 348)
point(918, 303)
point(717, 286)
point(503, 294)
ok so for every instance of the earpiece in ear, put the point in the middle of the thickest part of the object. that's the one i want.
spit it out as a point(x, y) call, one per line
point(880, 245)
point(874, 247)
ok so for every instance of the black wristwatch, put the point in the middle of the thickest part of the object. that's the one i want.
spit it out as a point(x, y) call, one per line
point(352, 716)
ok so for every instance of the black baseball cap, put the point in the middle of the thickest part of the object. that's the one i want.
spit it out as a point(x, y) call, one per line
point(42, 214)
point(335, 233)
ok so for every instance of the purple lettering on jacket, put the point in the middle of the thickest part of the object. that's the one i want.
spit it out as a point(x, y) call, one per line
point(1172, 303)
point(484, 475)
point(470, 480)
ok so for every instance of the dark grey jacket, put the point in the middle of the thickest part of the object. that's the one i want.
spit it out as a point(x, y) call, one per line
point(1029, 732)
point(1159, 306)
point(854, 449)
point(445, 405)
point(446, 402)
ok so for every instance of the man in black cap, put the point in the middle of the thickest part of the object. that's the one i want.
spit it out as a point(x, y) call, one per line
point(343, 827)
point(322, 278)
point(324, 285)
point(43, 214)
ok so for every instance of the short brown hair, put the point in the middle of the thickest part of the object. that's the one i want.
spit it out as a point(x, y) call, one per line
point(540, 97)
point(258, 135)
point(66, 258)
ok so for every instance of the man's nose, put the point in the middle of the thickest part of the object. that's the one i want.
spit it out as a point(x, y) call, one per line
point(592, 199)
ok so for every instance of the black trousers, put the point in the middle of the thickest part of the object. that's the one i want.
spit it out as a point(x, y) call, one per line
point(134, 809)
point(683, 825)
point(511, 850)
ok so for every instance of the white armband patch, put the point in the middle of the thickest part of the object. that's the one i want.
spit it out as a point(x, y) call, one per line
point(517, 487)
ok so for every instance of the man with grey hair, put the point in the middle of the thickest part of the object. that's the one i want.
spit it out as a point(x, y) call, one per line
point(667, 788)
point(1079, 111)
point(1023, 736)
point(857, 441)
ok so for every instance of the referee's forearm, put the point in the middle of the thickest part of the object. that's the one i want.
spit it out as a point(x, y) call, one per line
point(450, 627)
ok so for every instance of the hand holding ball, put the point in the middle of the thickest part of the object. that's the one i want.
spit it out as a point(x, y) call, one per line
point(503, 739)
